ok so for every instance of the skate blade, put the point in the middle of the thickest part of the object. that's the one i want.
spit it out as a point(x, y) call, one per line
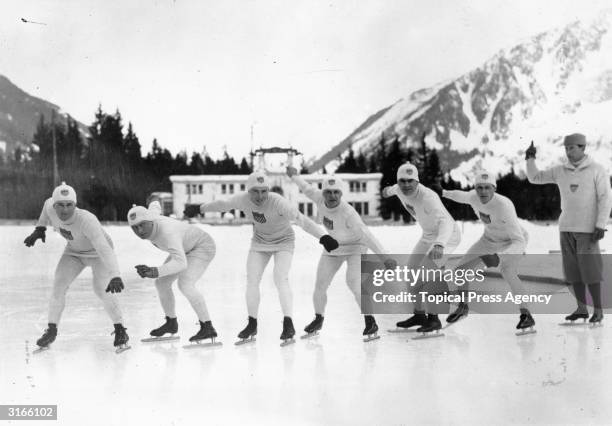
point(371, 337)
point(526, 332)
point(240, 342)
point(573, 324)
point(287, 342)
point(41, 349)
point(122, 348)
point(160, 339)
point(428, 335)
point(449, 324)
point(400, 330)
point(596, 324)
point(310, 335)
point(196, 344)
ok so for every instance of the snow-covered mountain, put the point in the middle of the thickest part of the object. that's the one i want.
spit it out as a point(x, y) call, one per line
point(556, 83)
point(20, 114)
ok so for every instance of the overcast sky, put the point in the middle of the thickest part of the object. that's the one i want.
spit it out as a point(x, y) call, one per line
point(303, 73)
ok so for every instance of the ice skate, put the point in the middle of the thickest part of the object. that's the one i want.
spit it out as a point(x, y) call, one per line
point(314, 327)
point(121, 339)
point(597, 318)
point(418, 319)
point(248, 334)
point(371, 329)
point(525, 324)
point(430, 329)
point(288, 332)
point(459, 314)
point(571, 319)
point(158, 335)
point(207, 331)
point(46, 339)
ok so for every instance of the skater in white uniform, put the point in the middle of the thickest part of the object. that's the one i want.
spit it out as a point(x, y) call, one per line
point(502, 244)
point(441, 235)
point(87, 245)
point(344, 224)
point(586, 201)
point(190, 251)
point(273, 236)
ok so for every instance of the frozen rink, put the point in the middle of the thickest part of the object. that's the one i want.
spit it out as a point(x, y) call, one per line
point(479, 373)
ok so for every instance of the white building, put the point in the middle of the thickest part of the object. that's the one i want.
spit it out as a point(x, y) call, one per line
point(361, 189)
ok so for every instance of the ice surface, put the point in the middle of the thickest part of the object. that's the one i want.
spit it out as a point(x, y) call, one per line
point(479, 373)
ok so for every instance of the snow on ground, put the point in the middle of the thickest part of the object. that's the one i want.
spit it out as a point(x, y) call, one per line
point(479, 373)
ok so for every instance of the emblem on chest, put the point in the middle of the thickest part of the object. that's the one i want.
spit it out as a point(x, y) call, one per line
point(66, 234)
point(484, 217)
point(259, 217)
point(328, 223)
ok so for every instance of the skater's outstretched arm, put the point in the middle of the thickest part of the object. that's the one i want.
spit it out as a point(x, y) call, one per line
point(172, 243)
point(309, 190)
point(371, 242)
point(540, 177)
point(462, 197)
point(286, 209)
point(155, 208)
point(235, 202)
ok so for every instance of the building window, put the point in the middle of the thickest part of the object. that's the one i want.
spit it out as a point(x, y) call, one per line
point(231, 188)
point(309, 209)
point(357, 206)
point(320, 185)
point(194, 189)
point(200, 189)
point(223, 188)
point(242, 187)
point(242, 214)
point(187, 189)
point(366, 208)
point(301, 207)
point(354, 186)
point(363, 187)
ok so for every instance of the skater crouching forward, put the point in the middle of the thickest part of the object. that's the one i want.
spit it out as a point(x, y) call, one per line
point(586, 201)
point(87, 245)
point(344, 224)
point(190, 251)
point(273, 236)
point(502, 243)
point(440, 237)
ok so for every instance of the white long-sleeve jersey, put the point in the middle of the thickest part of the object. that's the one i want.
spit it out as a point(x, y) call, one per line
point(272, 230)
point(84, 235)
point(499, 218)
point(175, 238)
point(343, 223)
point(426, 207)
point(586, 198)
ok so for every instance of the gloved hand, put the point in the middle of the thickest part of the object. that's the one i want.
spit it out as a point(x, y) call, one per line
point(328, 242)
point(598, 234)
point(386, 192)
point(530, 152)
point(39, 233)
point(490, 260)
point(437, 251)
point(291, 171)
point(146, 271)
point(390, 263)
point(192, 210)
point(115, 285)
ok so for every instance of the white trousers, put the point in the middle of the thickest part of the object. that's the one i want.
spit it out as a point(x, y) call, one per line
point(68, 268)
point(327, 268)
point(256, 264)
point(198, 260)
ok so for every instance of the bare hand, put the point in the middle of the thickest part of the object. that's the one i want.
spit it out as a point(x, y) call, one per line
point(436, 252)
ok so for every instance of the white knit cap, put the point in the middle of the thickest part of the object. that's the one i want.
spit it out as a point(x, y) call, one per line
point(407, 171)
point(332, 182)
point(138, 214)
point(64, 193)
point(484, 176)
point(257, 180)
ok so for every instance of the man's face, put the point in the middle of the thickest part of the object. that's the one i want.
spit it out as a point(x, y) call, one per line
point(485, 192)
point(64, 209)
point(407, 186)
point(332, 197)
point(574, 152)
point(144, 229)
point(258, 195)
